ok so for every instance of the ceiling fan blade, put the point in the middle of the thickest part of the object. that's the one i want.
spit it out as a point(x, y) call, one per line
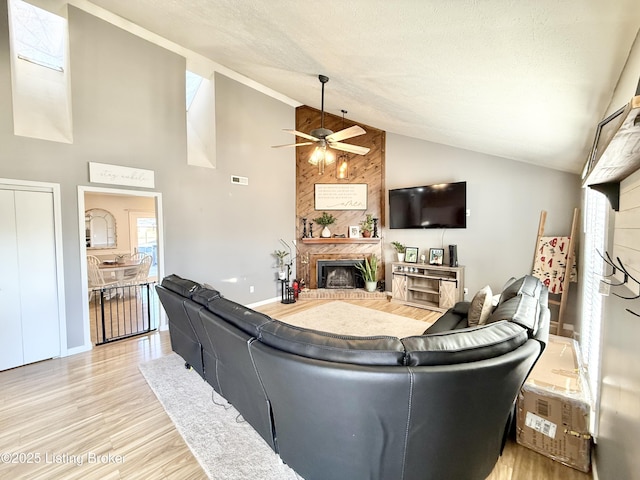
point(300, 134)
point(292, 145)
point(349, 148)
point(350, 132)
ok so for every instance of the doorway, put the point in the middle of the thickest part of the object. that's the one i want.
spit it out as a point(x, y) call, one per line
point(137, 219)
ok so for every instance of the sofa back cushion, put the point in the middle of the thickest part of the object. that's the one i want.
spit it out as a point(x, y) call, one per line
point(522, 309)
point(380, 350)
point(527, 285)
point(465, 345)
point(205, 295)
point(247, 320)
point(180, 285)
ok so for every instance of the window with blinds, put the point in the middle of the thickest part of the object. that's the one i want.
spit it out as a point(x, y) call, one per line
point(595, 228)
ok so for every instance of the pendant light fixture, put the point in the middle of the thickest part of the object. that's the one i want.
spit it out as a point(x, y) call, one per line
point(342, 163)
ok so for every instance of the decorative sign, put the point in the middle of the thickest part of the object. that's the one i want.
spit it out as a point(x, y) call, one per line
point(340, 196)
point(117, 175)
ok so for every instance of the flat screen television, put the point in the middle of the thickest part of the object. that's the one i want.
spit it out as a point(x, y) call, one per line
point(432, 206)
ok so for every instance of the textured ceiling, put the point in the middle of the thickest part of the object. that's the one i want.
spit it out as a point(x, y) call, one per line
point(526, 80)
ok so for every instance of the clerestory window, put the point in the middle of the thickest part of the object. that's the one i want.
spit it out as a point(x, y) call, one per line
point(39, 36)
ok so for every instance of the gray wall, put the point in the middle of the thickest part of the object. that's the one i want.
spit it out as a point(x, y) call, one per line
point(505, 198)
point(129, 109)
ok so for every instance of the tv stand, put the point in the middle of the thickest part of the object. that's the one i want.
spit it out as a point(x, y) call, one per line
point(434, 287)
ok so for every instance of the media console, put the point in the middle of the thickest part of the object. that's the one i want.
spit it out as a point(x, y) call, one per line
point(434, 287)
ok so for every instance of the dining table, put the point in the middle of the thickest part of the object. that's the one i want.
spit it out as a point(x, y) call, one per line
point(117, 270)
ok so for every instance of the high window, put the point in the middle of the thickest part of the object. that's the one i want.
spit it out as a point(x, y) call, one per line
point(201, 121)
point(39, 36)
point(40, 82)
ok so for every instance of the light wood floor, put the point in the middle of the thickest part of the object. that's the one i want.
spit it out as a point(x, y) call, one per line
point(98, 403)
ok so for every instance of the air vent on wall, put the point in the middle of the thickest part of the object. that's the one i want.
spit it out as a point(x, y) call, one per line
point(239, 180)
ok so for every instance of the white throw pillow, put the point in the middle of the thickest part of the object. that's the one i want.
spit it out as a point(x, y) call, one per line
point(480, 307)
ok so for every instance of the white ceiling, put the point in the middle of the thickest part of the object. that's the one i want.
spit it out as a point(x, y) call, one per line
point(526, 80)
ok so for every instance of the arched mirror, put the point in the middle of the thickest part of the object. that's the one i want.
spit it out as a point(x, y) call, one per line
point(100, 228)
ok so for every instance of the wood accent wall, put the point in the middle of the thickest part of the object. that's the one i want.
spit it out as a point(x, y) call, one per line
point(367, 169)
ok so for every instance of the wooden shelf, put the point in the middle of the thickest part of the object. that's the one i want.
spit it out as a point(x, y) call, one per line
point(616, 153)
point(320, 241)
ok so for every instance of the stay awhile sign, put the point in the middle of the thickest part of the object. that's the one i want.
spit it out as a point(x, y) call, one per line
point(117, 175)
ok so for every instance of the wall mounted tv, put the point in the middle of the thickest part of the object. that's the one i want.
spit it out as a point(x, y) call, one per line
point(432, 206)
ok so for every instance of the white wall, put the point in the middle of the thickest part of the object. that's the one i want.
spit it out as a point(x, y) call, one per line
point(505, 198)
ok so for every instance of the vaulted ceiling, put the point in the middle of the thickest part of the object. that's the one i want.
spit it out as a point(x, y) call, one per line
point(526, 80)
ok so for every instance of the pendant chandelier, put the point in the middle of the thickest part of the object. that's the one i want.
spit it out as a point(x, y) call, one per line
point(342, 163)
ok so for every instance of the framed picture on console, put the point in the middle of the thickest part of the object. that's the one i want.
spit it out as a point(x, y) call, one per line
point(354, 231)
point(411, 255)
point(435, 256)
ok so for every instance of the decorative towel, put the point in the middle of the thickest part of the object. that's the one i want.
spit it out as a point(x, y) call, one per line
point(551, 263)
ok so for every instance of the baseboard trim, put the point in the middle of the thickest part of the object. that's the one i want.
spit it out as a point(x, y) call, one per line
point(263, 302)
point(76, 350)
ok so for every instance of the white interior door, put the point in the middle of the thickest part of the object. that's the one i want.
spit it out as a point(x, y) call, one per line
point(29, 314)
point(38, 277)
point(10, 321)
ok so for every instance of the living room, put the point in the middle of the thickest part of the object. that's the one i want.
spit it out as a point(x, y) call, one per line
point(128, 109)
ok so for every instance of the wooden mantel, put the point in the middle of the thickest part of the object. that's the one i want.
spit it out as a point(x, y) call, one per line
point(325, 241)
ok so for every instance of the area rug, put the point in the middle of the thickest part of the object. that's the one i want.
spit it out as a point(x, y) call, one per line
point(226, 448)
point(344, 318)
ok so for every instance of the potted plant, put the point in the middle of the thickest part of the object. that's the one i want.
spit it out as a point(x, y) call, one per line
point(325, 220)
point(400, 249)
point(366, 226)
point(280, 254)
point(369, 270)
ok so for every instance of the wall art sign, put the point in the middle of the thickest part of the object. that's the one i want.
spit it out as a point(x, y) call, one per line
point(118, 175)
point(340, 196)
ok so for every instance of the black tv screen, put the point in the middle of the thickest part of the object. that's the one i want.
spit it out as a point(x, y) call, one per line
point(432, 206)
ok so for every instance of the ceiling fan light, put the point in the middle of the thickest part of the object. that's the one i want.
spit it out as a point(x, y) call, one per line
point(342, 168)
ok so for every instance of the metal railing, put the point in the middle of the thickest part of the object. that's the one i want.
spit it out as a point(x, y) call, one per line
point(120, 312)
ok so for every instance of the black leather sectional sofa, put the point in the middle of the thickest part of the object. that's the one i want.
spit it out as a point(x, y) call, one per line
point(435, 406)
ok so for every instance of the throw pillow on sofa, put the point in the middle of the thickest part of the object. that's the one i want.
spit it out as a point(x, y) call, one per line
point(480, 307)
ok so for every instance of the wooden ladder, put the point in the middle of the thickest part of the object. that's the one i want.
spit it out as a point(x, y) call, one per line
point(565, 272)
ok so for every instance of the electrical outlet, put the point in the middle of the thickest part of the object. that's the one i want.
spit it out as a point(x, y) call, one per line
point(466, 291)
point(251, 289)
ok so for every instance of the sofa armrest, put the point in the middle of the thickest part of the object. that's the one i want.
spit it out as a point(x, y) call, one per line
point(453, 319)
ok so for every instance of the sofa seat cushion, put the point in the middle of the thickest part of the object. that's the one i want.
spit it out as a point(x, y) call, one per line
point(246, 319)
point(180, 285)
point(379, 350)
point(522, 309)
point(527, 285)
point(466, 345)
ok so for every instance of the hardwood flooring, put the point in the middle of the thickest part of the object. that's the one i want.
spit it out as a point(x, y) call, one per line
point(93, 416)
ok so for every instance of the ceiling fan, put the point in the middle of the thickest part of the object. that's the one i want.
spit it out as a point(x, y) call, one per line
point(326, 138)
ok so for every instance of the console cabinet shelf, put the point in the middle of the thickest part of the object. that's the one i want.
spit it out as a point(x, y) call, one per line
point(433, 287)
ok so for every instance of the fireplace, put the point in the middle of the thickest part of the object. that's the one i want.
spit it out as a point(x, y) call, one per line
point(338, 274)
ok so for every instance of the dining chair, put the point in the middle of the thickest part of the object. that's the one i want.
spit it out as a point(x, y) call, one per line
point(96, 278)
point(140, 272)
